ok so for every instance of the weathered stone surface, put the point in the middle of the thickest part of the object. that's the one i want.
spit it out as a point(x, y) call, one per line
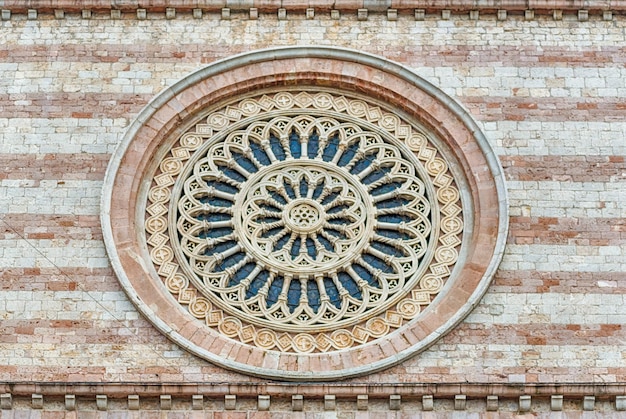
point(548, 93)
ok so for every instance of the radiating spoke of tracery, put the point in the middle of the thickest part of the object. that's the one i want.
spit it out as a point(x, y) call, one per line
point(305, 223)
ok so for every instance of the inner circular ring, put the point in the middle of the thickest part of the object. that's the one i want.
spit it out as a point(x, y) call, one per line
point(341, 256)
point(304, 216)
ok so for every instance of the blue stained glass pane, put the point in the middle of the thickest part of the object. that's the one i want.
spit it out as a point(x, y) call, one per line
point(313, 295)
point(376, 175)
point(220, 202)
point(260, 154)
point(377, 263)
point(277, 149)
point(278, 198)
point(334, 232)
point(337, 209)
point(394, 218)
point(318, 191)
point(393, 234)
point(325, 243)
point(332, 292)
point(229, 261)
point(365, 275)
point(313, 145)
point(330, 198)
point(245, 162)
point(392, 203)
point(362, 164)
point(223, 187)
point(233, 174)
point(215, 233)
point(256, 284)
point(219, 248)
point(274, 291)
point(290, 191)
point(348, 154)
point(387, 249)
point(293, 295)
point(241, 274)
point(294, 145)
point(310, 248)
point(295, 248)
point(331, 148)
point(272, 232)
point(304, 187)
point(387, 187)
point(281, 242)
point(349, 284)
point(213, 216)
point(337, 221)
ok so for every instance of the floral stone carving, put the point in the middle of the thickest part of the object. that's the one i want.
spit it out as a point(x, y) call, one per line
point(324, 227)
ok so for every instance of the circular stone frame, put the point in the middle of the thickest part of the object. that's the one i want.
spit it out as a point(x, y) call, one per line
point(175, 108)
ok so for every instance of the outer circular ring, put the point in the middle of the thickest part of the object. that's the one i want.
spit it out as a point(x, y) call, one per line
point(165, 116)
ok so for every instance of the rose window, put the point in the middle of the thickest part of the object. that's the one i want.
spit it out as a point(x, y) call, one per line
point(304, 213)
point(307, 221)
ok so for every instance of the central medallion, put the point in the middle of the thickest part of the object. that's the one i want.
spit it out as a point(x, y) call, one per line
point(303, 217)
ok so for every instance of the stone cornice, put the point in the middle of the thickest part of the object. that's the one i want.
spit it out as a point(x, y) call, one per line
point(127, 395)
point(538, 6)
point(340, 390)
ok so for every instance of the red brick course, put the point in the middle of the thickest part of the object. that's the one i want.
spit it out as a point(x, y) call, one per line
point(58, 279)
point(124, 56)
point(57, 166)
point(51, 226)
point(565, 168)
point(528, 281)
point(484, 108)
point(573, 231)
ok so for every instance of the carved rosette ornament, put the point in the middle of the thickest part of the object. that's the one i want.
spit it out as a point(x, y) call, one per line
point(313, 221)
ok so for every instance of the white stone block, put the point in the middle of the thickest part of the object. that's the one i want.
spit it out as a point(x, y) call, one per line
point(524, 403)
point(427, 403)
point(197, 402)
point(556, 402)
point(133, 402)
point(101, 402)
point(263, 402)
point(330, 402)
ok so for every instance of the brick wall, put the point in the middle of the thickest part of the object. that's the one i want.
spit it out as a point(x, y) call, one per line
point(549, 94)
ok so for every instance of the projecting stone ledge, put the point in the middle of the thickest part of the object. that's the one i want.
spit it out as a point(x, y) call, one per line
point(169, 8)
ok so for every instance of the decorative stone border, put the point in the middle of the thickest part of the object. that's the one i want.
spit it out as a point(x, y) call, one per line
point(171, 113)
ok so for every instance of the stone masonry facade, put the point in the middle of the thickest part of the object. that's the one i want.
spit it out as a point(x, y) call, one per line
point(547, 86)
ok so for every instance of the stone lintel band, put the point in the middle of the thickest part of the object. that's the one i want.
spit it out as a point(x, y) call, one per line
point(314, 390)
point(538, 6)
point(421, 396)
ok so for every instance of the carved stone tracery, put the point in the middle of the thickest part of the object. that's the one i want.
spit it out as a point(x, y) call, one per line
point(304, 221)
